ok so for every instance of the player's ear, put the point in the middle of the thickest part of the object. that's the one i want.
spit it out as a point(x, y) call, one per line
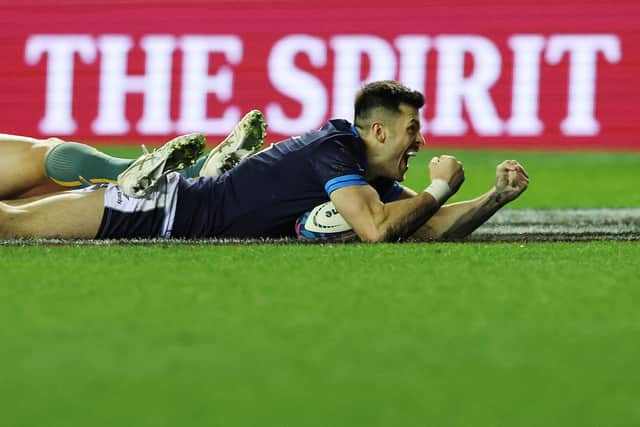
point(378, 131)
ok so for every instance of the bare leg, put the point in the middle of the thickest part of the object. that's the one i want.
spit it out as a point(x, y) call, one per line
point(25, 200)
point(32, 167)
point(22, 171)
point(69, 214)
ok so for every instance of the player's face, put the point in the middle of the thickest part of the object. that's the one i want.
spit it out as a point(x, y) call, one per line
point(403, 142)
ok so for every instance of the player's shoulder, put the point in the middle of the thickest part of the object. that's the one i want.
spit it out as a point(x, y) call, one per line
point(334, 132)
point(339, 153)
point(388, 189)
point(337, 126)
point(338, 131)
point(337, 135)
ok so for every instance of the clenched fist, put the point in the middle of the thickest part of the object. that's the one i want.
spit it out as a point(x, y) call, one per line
point(511, 180)
point(449, 169)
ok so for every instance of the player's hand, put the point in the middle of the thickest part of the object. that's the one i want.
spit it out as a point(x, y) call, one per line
point(511, 180)
point(449, 169)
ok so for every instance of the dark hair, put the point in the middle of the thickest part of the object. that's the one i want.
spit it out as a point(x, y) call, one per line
point(387, 94)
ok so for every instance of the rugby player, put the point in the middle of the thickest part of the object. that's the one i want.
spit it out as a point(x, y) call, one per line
point(356, 166)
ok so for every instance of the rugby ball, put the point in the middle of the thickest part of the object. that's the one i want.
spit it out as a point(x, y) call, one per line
point(324, 224)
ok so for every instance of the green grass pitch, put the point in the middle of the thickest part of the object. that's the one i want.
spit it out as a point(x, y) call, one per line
point(446, 334)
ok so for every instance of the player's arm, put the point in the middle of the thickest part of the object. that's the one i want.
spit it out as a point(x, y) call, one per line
point(375, 221)
point(458, 220)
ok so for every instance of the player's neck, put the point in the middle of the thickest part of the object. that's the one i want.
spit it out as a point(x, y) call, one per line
point(374, 162)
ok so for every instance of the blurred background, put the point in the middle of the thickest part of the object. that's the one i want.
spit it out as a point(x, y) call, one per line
point(553, 78)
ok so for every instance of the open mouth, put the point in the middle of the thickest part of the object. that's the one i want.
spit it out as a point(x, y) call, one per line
point(407, 155)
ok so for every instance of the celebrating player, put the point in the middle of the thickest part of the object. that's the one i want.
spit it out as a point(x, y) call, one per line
point(355, 166)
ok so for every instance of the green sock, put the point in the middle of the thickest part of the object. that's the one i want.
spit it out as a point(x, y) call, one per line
point(67, 162)
point(193, 171)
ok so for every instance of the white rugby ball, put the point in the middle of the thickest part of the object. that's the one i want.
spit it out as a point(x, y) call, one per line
point(324, 223)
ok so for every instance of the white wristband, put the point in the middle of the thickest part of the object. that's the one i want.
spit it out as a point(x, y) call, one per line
point(439, 189)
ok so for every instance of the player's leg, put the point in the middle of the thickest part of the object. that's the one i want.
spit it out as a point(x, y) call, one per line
point(245, 140)
point(22, 170)
point(68, 214)
point(25, 200)
point(31, 167)
point(73, 165)
point(145, 173)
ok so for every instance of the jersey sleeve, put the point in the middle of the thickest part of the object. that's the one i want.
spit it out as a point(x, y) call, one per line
point(336, 165)
point(388, 189)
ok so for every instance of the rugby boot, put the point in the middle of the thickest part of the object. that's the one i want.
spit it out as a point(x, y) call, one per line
point(145, 172)
point(245, 140)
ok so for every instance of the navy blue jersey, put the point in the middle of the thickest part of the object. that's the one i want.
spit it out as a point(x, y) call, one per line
point(265, 194)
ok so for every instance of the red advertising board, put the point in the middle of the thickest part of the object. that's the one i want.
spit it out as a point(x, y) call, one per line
point(534, 74)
